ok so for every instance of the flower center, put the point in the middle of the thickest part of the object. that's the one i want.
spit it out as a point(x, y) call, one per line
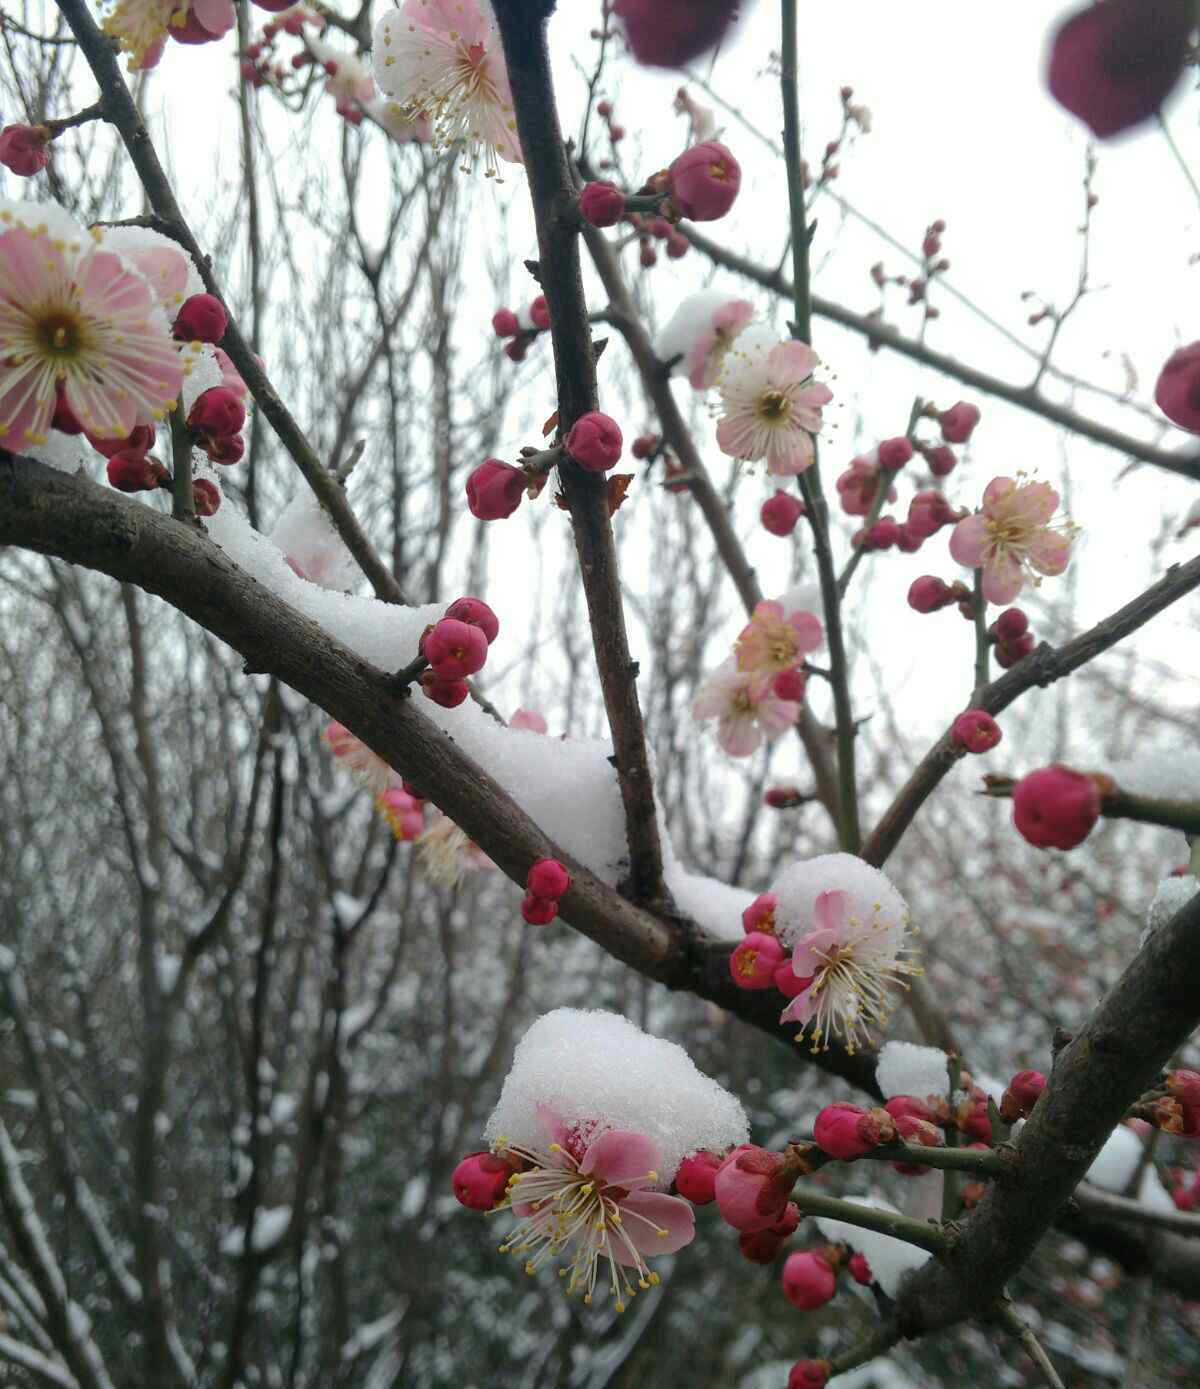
point(773, 405)
point(60, 335)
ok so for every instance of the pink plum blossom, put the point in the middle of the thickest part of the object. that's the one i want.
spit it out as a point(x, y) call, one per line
point(584, 1196)
point(442, 60)
point(775, 640)
point(77, 323)
point(746, 709)
point(706, 355)
point(854, 958)
point(365, 766)
point(447, 853)
point(1012, 536)
point(771, 407)
point(142, 27)
point(403, 812)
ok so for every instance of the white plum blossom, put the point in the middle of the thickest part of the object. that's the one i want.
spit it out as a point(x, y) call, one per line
point(771, 406)
point(746, 710)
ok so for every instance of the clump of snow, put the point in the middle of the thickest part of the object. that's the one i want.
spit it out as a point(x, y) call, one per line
point(67, 452)
point(152, 252)
point(1170, 896)
point(308, 538)
point(800, 885)
point(907, 1069)
point(890, 1259)
point(1117, 1161)
point(595, 1067)
point(716, 906)
point(1165, 774)
point(692, 318)
point(270, 1226)
point(204, 374)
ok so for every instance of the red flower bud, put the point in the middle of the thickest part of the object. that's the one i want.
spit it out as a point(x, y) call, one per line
point(677, 246)
point(228, 450)
point(748, 1192)
point(505, 324)
point(1056, 807)
point(206, 497)
point(1008, 653)
point(975, 730)
point(929, 594)
point(753, 963)
point(696, 1178)
point(547, 878)
point(1011, 624)
point(704, 181)
point(782, 797)
point(595, 442)
point(958, 423)
point(942, 460)
point(448, 693)
point(1114, 64)
point(781, 512)
point(760, 1246)
point(134, 472)
point(847, 1131)
point(139, 440)
point(808, 1281)
point(1177, 393)
point(202, 318)
point(539, 312)
point(644, 445)
point(217, 413)
point(669, 33)
point(601, 204)
point(860, 1270)
point(760, 914)
point(790, 684)
point(273, 6)
point(454, 649)
point(478, 614)
point(23, 149)
point(480, 1180)
point(495, 490)
point(895, 453)
point(539, 911)
point(1021, 1096)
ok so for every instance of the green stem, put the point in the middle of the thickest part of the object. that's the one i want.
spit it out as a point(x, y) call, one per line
point(881, 1340)
point(948, 1159)
point(1012, 1323)
point(183, 506)
point(903, 1227)
point(983, 647)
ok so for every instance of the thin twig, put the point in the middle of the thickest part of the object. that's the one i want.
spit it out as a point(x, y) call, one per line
point(1009, 1318)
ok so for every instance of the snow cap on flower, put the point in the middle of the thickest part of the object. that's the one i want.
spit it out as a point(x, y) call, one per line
point(312, 546)
point(799, 886)
point(445, 62)
point(78, 324)
point(904, 1068)
point(771, 406)
point(700, 334)
point(890, 1259)
point(171, 272)
point(597, 1068)
point(1012, 536)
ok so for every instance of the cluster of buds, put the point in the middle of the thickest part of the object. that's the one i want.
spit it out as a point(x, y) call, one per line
point(1173, 1106)
point(215, 423)
point(261, 65)
point(929, 594)
point(857, 486)
point(933, 264)
point(23, 149)
point(1056, 807)
point(760, 961)
point(453, 649)
point(613, 127)
point(404, 811)
point(495, 489)
point(545, 884)
point(521, 328)
point(1012, 640)
point(660, 229)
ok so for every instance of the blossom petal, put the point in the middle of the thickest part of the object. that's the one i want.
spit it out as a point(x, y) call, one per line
point(968, 541)
point(996, 491)
point(1049, 551)
point(800, 1009)
point(791, 361)
point(811, 951)
point(809, 632)
point(830, 911)
point(739, 734)
point(1003, 579)
point(655, 1224)
point(621, 1155)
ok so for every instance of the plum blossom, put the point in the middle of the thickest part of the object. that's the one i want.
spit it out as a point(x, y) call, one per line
point(746, 709)
point(77, 322)
point(142, 27)
point(583, 1196)
point(700, 333)
point(448, 853)
point(1013, 536)
point(348, 81)
point(771, 407)
point(367, 767)
point(442, 60)
point(168, 269)
point(775, 640)
point(853, 958)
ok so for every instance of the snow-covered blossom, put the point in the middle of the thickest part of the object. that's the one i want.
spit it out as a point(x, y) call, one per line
point(699, 334)
point(582, 1195)
point(367, 767)
point(167, 267)
point(312, 546)
point(442, 59)
point(1013, 536)
point(347, 80)
point(746, 710)
point(77, 320)
point(771, 407)
point(775, 640)
point(904, 1068)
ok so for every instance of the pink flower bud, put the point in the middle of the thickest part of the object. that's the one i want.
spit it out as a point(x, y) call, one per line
point(942, 460)
point(909, 1106)
point(677, 246)
point(23, 149)
point(760, 1246)
point(928, 512)
point(206, 497)
point(907, 541)
point(604, 109)
point(753, 963)
point(504, 323)
point(1056, 807)
point(928, 594)
point(202, 318)
point(1114, 64)
point(895, 453)
point(883, 535)
point(760, 914)
point(1177, 392)
point(704, 181)
point(480, 1181)
point(1011, 624)
point(595, 442)
point(787, 1222)
point(860, 1270)
point(539, 911)
point(644, 445)
point(539, 312)
point(1008, 653)
point(227, 450)
point(669, 33)
point(403, 813)
point(530, 720)
point(601, 204)
point(217, 413)
point(478, 614)
point(847, 1131)
point(975, 730)
point(134, 472)
point(748, 1192)
point(495, 490)
point(1021, 1096)
point(140, 440)
point(782, 797)
point(809, 1374)
point(616, 133)
point(788, 982)
point(454, 649)
point(696, 1178)
point(448, 693)
point(972, 1118)
point(781, 512)
point(922, 1134)
point(790, 685)
point(547, 878)
point(659, 228)
point(808, 1281)
point(958, 423)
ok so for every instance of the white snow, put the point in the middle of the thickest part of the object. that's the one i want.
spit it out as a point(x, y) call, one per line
point(1163, 774)
point(907, 1069)
point(270, 1226)
point(1117, 1161)
point(692, 318)
point(800, 885)
point(1170, 896)
point(592, 1066)
point(307, 537)
point(890, 1259)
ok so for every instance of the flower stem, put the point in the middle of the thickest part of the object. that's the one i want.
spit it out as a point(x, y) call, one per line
point(902, 1227)
point(983, 647)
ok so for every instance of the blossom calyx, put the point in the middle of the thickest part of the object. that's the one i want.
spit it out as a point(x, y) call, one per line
point(547, 879)
point(808, 1281)
point(495, 490)
point(847, 1131)
point(202, 318)
point(1056, 807)
point(976, 731)
point(23, 149)
point(601, 204)
point(1021, 1096)
point(704, 181)
point(595, 442)
point(480, 1181)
